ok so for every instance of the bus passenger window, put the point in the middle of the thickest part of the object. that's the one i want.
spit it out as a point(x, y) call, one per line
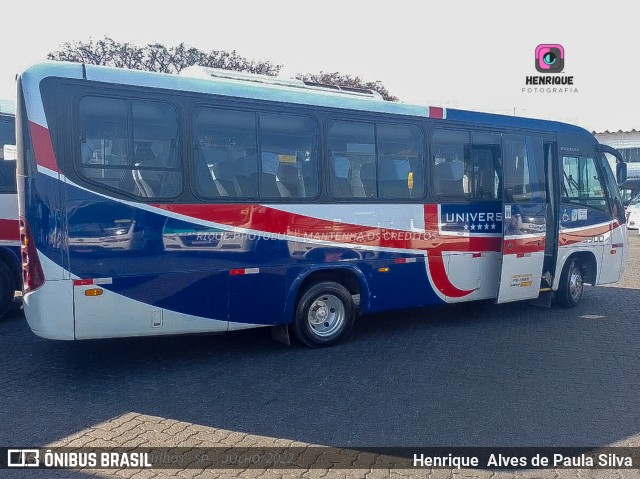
point(340, 173)
point(232, 161)
point(448, 159)
point(400, 162)
point(524, 168)
point(289, 156)
point(486, 153)
point(466, 165)
point(352, 160)
point(225, 160)
point(381, 161)
point(145, 165)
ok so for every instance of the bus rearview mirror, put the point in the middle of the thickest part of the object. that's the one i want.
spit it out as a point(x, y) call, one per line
point(621, 173)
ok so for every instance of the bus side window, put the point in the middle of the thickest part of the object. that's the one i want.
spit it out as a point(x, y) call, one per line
point(225, 158)
point(467, 165)
point(340, 174)
point(524, 168)
point(375, 161)
point(289, 156)
point(400, 171)
point(352, 147)
point(486, 152)
point(148, 167)
point(449, 148)
point(581, 183)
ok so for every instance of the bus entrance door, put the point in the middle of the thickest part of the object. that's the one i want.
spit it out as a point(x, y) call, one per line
point(524, 218)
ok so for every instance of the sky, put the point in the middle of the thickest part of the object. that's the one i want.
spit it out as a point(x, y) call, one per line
point(462, 54)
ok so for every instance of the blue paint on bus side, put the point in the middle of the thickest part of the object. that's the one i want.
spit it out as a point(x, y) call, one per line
point(165, 267)
point(517, 122)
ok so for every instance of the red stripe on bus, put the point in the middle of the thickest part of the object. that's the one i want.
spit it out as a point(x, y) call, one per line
point(42, 147)
point(436, 112)
point(572, 237)
point(9, 230)
point(272, 221)
point(441, 280)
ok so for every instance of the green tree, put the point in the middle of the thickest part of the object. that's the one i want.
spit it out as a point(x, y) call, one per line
point(157, 57)
point(160, 58)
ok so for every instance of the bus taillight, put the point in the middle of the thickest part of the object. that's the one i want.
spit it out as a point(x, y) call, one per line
point(32, 274)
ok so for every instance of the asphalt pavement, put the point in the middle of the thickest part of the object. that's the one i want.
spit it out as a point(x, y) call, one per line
point(471, 375)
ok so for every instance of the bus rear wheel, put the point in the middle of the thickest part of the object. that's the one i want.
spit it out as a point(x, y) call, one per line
point(571, 284)
point(325, 314)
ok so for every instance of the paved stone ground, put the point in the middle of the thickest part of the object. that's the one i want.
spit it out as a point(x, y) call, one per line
point(463, 375)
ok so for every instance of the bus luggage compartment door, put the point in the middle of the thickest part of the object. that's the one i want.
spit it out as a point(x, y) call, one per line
point(523, 218)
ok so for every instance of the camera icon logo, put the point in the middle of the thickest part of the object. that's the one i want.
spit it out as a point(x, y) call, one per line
point(549, 58)
point(23, 458)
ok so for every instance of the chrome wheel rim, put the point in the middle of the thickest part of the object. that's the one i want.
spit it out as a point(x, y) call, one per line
point(326, 315)
point(575, 284)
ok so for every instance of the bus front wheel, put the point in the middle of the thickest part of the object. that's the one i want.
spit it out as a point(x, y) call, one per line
point(571, 284)
point(325, 314)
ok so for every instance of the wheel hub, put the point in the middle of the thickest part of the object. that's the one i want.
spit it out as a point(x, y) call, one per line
point(326, 315)
point(319, 313)
point(575, 284)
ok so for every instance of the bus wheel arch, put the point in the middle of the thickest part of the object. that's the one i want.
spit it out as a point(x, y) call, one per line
point(327, 293)
point(579, 268)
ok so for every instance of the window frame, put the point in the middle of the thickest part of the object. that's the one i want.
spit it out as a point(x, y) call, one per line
point(130, 145)
point(601, 179)
point(420, 126)
point(240, 107)
point(441, 199)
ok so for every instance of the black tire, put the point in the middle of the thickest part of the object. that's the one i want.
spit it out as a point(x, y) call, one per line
point(325, 314)
point(7, 288)
point(571, 284)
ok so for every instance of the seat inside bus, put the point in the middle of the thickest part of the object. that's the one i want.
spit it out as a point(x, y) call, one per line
point(341, 178)
point(448, 179)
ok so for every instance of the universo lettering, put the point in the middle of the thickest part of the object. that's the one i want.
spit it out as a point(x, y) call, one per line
point(472, 217)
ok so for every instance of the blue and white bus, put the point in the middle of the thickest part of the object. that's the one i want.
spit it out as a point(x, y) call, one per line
point(10, 267)
point(206, 202)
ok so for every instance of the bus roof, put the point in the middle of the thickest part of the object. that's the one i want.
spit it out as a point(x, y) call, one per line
point(286, 91)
